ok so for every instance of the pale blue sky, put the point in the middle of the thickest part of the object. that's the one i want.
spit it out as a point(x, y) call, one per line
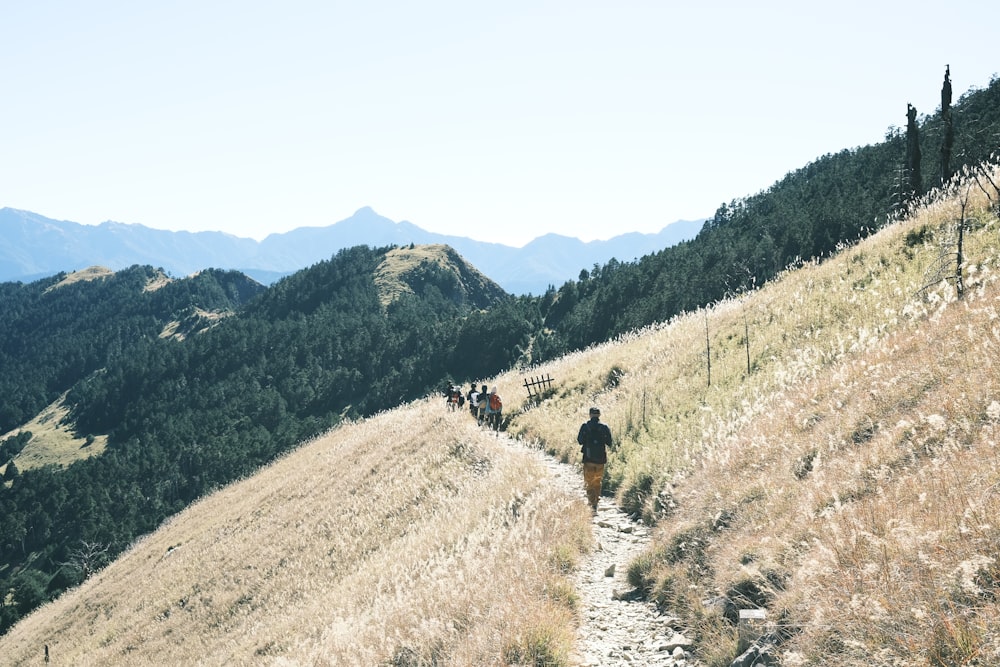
point(500, 121)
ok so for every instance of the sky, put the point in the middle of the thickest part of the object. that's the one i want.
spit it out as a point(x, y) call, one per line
point(498, 121)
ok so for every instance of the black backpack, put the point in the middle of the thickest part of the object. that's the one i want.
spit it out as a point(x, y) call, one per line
point(593, 447)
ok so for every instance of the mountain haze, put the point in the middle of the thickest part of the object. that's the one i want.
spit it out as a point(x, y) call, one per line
point(33, 246)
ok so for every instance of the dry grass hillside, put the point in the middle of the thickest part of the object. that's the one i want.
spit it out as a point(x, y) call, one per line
point(848, 482)
point(53, 441)
point(823, 448)
point(397, 273)
point(411, 538)
point(83, 275)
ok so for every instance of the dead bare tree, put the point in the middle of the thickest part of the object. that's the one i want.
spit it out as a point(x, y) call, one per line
point(941, 269)
point(979, 174)
point(708, 350)
point(87, 559)
point(949, 127)
point(959, 283)
point(746, 339)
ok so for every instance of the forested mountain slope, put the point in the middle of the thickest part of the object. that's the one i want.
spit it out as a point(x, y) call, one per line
point(835, 200)
point(185, 415)
point(55, 331)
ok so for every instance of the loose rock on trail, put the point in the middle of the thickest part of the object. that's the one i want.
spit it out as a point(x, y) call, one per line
point(616, 627)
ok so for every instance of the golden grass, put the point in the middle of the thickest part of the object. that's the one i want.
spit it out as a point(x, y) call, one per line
point(393, 276)
point(197, 321)
point(848, 481)
point(157, 281)
point(389, 276)
point(91, 273)
point(53, 441)
point(410, 538)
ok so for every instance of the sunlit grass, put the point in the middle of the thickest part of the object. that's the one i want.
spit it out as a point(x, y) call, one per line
point(53, 441)
point(411, 538)
point(847, 482)
point(83, 275)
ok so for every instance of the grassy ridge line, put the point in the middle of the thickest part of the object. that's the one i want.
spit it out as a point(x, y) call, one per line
point(412, 535)
point(847, 482)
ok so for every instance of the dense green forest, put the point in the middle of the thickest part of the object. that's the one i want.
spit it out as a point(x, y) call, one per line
point(184, 416)
point(53, 336)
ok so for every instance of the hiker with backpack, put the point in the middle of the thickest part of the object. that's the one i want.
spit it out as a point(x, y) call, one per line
point(454, 397)
point(484, 399)
point(473, 397)
point(594, 439)
point(494, 410)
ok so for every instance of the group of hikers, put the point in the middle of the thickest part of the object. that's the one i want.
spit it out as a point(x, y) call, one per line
point(485, 406)
point(594, 436)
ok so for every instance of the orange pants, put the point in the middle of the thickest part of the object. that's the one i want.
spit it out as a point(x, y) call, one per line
point(593, 473)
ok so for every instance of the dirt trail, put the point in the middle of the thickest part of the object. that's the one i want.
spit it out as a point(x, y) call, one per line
point(615, 628)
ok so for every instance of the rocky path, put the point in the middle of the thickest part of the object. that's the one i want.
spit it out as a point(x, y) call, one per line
point(616, 628)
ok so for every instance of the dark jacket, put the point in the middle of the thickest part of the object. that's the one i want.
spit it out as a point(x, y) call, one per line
point(594, 438)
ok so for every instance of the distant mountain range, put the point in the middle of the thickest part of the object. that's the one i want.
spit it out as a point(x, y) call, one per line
point(33, 246)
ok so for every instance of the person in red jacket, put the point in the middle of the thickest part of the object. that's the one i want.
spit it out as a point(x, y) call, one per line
point(594, 439)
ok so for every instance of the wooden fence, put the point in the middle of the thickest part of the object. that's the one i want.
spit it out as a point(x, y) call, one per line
point(538, 385)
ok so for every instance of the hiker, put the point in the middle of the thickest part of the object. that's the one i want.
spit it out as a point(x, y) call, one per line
point(473, 397)
point(483, 404)
point(494, 410)
point(594, 438)
point(454, 397)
